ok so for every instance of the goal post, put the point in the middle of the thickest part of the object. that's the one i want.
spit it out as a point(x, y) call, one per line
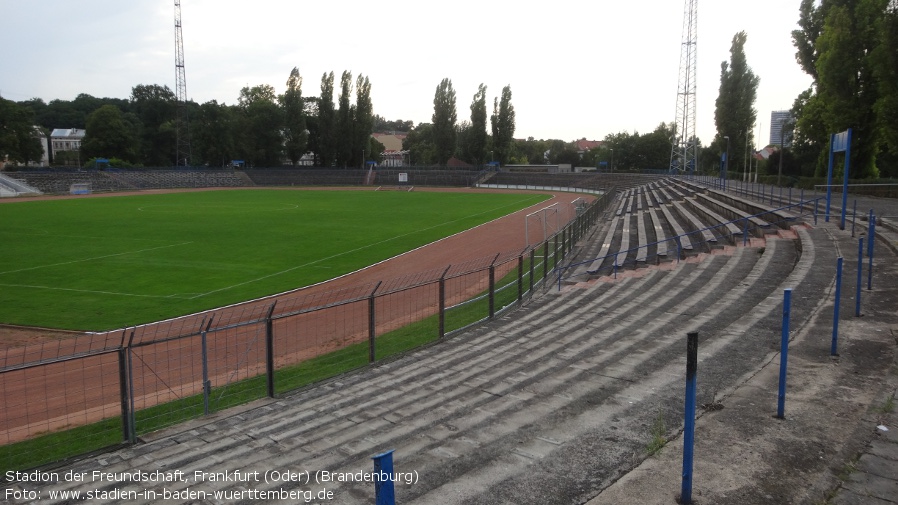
point(80, 188)
point(545, 220)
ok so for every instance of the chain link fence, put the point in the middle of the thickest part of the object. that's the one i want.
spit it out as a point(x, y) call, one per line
point(87, 393)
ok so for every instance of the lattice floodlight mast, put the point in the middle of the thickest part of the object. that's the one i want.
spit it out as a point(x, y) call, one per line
point(684, 145)
point(182, 130)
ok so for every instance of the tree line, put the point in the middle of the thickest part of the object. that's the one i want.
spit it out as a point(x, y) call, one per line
point(262, 129)
point(435, 143)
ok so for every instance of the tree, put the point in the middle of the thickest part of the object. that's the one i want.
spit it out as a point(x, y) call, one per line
point(345, 112)
point(381, 124)
point(561, 152)
point(534, 151)
point(477, 138)
point(109, 135)
point(735, 112)
point(364, 120)
point(214, 127)
point(261, 123)
point(503, 125)
point(327, 122)
point(154, 106)
point(296, 135)
point(885, 71)
point(419, 143)
point(444, 119)
point(18, 138)
point(841, 45)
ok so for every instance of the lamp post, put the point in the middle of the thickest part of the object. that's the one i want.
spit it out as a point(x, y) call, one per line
point(726, 163)
point(612, 161)
point(782, 150)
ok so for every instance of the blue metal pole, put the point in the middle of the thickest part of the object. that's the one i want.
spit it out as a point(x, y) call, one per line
point(384, 493)
point(834, 348)
point(784, 353)
point(870, 254)
point(870, 225)
point(860, 276)
point(689, 424)
point(829, 177)
point(845, 178)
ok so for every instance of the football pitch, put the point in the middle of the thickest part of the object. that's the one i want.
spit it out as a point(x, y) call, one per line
point(105, 263)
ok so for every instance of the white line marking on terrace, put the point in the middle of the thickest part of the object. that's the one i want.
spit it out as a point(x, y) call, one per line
point(94, 258)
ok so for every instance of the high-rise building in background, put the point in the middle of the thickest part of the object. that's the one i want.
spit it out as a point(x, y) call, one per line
point(777, 119)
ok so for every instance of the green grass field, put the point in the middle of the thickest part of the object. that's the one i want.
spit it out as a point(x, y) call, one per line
point(103, 263)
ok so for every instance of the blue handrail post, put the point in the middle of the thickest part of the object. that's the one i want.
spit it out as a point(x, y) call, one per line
point(860, 276)
point(689, 428)
point(834, 348)
point(784, 354)
point(871, 222)
point(870, 253)
point(384, 493)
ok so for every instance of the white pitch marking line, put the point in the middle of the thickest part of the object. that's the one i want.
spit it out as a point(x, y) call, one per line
point(92, 291)
point(94, 258)
point(343, 253)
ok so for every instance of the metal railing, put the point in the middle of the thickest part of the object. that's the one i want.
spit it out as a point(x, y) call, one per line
point(94, 391)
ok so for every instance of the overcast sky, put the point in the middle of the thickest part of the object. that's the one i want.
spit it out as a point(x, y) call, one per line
point(576, 68)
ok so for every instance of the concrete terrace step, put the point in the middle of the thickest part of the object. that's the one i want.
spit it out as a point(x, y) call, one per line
point(473, 414)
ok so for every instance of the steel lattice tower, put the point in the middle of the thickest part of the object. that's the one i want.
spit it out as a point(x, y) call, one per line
point(182, 130)
point(684, 145)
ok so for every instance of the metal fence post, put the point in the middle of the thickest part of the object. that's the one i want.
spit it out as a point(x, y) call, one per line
point(563, 243)
point(384, 491)
point(269, 350)
point(871, 224)
point(545, 259)
point(371, 324)
point(207, 384)
point(834, 347)
point(689, 421)
point(442, 295)
point(870, 253)
point(123, 392)
point(520, 277)
point(860, 276)
point(555, 251)
point(132, 435)
point(492, 290)
point(784, 354)
point(532, 267)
